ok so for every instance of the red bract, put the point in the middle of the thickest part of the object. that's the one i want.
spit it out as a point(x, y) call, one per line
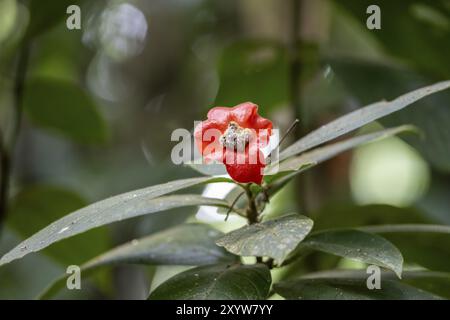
point(234, 136)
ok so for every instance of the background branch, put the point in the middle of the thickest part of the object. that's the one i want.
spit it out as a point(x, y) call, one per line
point(295, 73)
point(7, 150)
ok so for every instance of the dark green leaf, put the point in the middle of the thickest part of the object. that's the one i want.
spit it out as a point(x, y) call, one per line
point(64, 107)
point(428, 249)
point(221, 282)
point(437, 283)
point(349, 289)
point(187, 244)
point(424, 244)
point(273, 238)
point(121, 207)
point(357, 245)
point(75, 223)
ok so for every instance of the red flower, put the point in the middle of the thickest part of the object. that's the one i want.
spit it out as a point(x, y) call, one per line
point(234, 136)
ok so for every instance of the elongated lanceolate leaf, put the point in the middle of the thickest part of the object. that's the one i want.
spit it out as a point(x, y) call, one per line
point(121, 207)
point(186, 244)
point(359, 118)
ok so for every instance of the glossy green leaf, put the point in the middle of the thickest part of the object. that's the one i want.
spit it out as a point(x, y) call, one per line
point(349, 289)
point(437, 283)
point(187, 244)
point(424, 244)
point(35, 207)
point(273, 238)
point(74, 223)
point(337, 215)
point(117, 208)
point(357, 245)
point(217, 282)
point(64, 107)
point(434, 282)
point(359, 118)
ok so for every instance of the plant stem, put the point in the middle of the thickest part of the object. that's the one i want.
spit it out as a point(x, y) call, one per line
point(269, 263)
point(252, 211)
point(288, 131)
point(7, 151)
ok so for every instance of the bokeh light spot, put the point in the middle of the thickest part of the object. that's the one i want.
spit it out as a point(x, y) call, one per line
point(388, 172)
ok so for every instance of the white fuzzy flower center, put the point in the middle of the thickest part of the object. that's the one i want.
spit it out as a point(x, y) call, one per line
point(235, 137)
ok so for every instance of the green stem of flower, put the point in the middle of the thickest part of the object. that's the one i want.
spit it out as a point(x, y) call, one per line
point(269, 263)
point(252, 211)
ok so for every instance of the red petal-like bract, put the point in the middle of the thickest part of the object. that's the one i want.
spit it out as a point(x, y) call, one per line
point(246, 172)
point(246, 115)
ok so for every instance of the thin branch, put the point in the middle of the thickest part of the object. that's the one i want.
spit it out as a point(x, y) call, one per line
point(233, 204)
point(288, 131)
